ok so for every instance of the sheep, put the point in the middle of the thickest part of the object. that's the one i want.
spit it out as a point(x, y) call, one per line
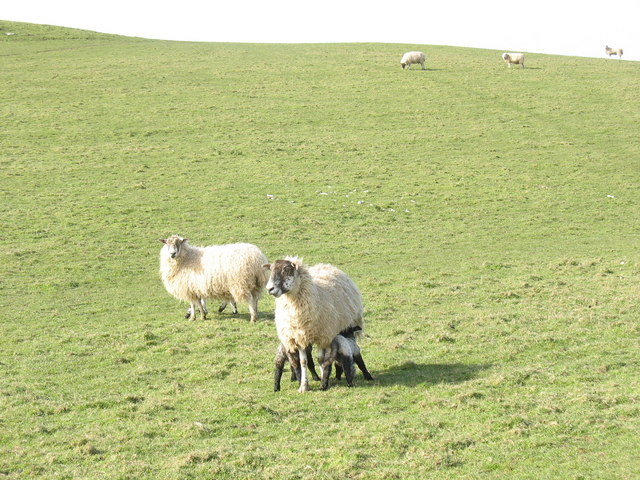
point(410, 58)
point(313, 305)
point(344, 353)
point(513, 58)
point(613, 51)
point(230, 273)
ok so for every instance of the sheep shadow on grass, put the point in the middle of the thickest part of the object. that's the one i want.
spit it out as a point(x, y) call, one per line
point(412, 374)
point(229, 317)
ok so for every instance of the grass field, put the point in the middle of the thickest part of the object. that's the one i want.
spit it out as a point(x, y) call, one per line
point(490, 217)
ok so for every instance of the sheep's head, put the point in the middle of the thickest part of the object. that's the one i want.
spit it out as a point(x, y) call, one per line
point(283, 276)
point(174, 244)
point(403, 65)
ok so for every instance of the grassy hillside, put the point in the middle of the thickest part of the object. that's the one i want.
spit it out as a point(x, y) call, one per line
point(489, 216)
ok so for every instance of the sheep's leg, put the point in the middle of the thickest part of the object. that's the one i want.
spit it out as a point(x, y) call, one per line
point(312, 366)
point(304, 383)
point(253, 307)
point(363, 368)
point(294, 361)
point(326, 373)
point(339, 371)
point(281, 358)
point(203, 308)
point(191, 313)
point(423, 66)
point(326, 359)
point(223, 305)
point(295, 367)
point(347, 365)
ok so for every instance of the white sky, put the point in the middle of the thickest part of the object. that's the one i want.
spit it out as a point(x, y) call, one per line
point(560, 27)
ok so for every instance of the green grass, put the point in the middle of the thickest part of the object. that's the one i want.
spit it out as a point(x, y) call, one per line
point(489, 216)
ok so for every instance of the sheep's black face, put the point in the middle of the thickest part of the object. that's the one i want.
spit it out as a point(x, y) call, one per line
point(283, 275)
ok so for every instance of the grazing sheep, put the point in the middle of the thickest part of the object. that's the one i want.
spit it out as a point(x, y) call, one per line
point(313, 305)
point(513, 58)
point(231, 273)
point(613, 51)
point(410, 58)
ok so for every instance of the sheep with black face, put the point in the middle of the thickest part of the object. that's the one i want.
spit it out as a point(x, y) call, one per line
point(313, 305)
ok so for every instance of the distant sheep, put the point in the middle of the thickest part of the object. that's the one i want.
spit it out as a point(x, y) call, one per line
point(613, 51)
point(313, 305)
point(513, 58)
point(410, 58)
point(231, 273)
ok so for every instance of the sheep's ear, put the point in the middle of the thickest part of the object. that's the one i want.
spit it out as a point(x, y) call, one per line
point(162, 240)
point(267, 266)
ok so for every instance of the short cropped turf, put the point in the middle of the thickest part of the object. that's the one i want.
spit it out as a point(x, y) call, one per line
point(490, 217)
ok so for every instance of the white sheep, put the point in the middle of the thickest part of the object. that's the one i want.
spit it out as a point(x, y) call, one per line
point(231, 273)
point(513, 58)
point(410, 58)
point(613, 51)
point(313, 305)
